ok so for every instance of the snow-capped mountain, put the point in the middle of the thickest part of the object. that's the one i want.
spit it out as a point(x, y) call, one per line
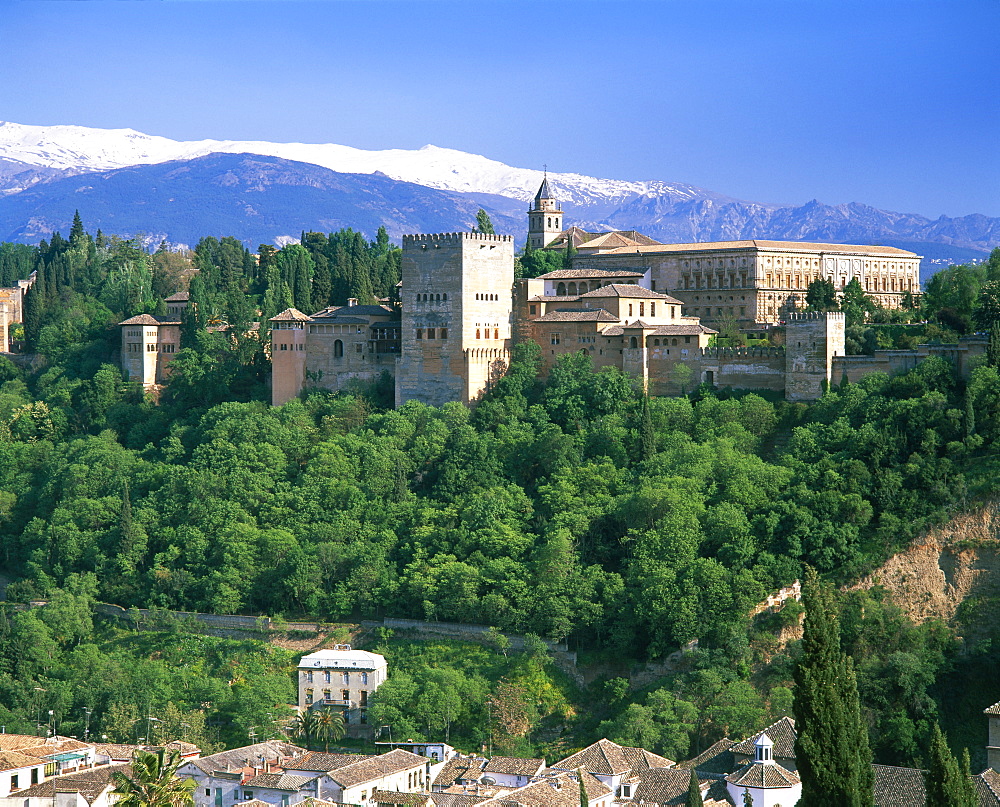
point(267, 201)
point(79, 149)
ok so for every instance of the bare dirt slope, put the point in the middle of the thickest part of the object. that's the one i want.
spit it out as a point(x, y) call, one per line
point(959, 562)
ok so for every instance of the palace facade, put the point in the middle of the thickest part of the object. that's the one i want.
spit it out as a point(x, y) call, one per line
point(647, 309)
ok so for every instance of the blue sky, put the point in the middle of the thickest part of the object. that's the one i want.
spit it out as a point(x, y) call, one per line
point(891, 103)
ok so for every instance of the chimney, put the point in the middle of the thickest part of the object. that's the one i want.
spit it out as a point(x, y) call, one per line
point(352, 301)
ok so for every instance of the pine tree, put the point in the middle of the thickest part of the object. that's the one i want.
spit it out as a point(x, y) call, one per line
point(947, 784)
point(76, 232)
point(831, 751)
point(694, 798)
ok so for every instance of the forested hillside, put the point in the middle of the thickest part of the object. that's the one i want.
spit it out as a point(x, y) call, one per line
point(570, 507)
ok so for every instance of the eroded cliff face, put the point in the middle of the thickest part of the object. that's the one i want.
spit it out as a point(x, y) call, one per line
point(957, 563)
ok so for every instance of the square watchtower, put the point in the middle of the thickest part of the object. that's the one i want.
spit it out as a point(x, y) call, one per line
point(457, 317)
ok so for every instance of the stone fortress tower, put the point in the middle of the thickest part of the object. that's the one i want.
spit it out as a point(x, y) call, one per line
point(457, 315)
point(544, 217)
point(813, 340)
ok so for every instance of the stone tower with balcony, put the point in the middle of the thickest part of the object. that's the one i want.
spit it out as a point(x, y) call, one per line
point(457, 316)
point(544, 217)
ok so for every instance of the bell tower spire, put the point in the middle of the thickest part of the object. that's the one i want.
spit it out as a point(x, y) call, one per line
point(544, 216)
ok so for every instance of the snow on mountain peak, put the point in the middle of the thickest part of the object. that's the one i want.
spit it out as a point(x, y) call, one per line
point(80, 148)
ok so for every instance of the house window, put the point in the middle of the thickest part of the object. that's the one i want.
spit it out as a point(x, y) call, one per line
point(284, 347)
point(442, 334)
point(420, 333)
point(151, 348)
point(531, 309)
point(554, 339)
point(364, 675)
point(642, 309)
point(208, 791)
point(338, 353)
point(430, 333)
point(327, 695)
point(309, 696)
point(248, 794)
point(326, 677)
point(34, 776)
point(347, 695)
point(14, 779)
point(652, 309)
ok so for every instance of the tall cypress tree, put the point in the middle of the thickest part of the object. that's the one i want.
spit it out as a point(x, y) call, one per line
point(948, 785)
point(694, 798)
point(831, 752)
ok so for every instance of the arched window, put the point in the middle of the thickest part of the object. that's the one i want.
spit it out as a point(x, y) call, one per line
point(437, 297)
point(496, 333)
point(420, 333)
point(583, 288)
point(561, 290)
point(642, 309)
point(571, 290)
point(652, 309)
point(633, 342)
point(338, 349)
point(444, 296)
point(430, 333)
point(477, 334)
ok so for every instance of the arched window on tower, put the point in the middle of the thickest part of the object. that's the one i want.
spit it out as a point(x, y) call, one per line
point(338, 349)
point(633, 342)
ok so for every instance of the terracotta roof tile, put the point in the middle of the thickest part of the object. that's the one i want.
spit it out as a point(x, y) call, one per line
point(514, 766)
point(629, 290)
point(988, 788)
point(90, 784)
point(278, 781)
point(763, 774)
point(585, 274)
point(397, 797)
point(992, 710)
point(376, 767)
point(717, 758)
point(556, 791)
point(781, 733)
point(150, 319)
point(593, 315)
point(238, 758)
point(899, 787)
point(324, 763)
point(10, 760)
point(290, 315)
point(783, 246)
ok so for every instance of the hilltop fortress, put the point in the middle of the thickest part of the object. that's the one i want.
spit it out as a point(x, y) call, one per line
point(627, 302)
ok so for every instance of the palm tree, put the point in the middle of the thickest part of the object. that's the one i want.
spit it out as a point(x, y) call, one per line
point(305, 727)
point(153, 782)
point(329, 726)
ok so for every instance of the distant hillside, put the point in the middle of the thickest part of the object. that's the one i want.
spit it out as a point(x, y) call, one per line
point(257, 199)
point(379, 187)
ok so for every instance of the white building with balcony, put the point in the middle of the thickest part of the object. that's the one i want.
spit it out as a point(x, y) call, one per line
point(342, 678)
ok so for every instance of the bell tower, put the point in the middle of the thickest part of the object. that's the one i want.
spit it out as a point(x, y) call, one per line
point(544, 217)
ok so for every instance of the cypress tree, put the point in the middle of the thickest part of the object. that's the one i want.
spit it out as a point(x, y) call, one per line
point(569, 254)
point(948, 785)
point(584, 801)
point(831, 751)
point(483, 223)
point(694, 798)
point(648, 432)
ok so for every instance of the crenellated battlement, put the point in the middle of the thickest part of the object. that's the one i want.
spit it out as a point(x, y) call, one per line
point(454, 238)
point(742, 352)
point(803, 316)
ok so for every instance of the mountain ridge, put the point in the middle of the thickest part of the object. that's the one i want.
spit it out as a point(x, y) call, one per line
point(37, 159)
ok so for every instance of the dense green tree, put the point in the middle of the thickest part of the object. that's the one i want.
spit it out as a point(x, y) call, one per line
point(821, 295)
